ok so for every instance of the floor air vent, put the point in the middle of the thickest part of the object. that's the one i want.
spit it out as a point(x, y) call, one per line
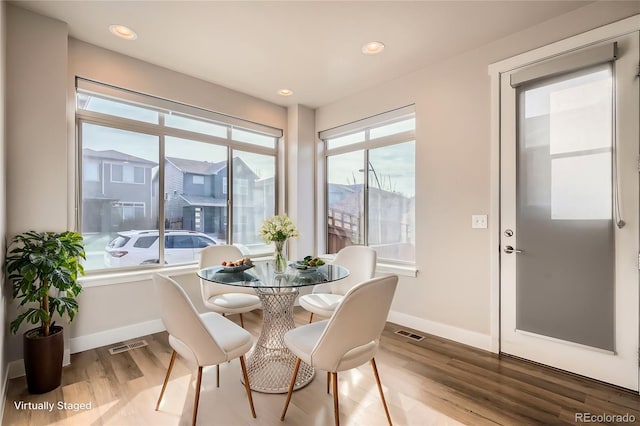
point(410, 335)
point(128, 347)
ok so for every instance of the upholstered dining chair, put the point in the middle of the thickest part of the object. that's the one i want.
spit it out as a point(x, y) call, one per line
point(221, 298)
point(361, 263)
point(202, 339)
point(348, 339)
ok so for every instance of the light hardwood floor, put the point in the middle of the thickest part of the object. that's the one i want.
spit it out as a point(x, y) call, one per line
point(431, 382)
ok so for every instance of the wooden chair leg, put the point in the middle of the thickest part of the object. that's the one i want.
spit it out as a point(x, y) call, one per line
point(217, 375)
point(246, 385)
point(291, 385)
point(241, 321)
point(328, 381)
point(336, 410)
point(197, 398)
point(166, 378)
point(310, 317)
point(384, 402)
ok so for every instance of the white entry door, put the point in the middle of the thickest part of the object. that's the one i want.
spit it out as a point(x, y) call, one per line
point(569, 212)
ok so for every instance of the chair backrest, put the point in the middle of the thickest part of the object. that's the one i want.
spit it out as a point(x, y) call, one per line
point(361, 263)
point(357, 322)
point(182, 321)
point(213, 256)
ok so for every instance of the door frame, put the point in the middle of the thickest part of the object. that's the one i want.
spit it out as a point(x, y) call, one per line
point(600, 34)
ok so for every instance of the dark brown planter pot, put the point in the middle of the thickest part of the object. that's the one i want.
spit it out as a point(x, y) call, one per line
point(43, 359)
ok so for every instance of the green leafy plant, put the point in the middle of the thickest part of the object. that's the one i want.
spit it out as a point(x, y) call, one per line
point(43, 268)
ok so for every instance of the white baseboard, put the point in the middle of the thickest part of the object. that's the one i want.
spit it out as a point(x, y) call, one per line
point(16, 368)
point(467, 337)
point(115, 335)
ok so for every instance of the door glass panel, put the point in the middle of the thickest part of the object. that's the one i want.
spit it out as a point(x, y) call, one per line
point(565, 275)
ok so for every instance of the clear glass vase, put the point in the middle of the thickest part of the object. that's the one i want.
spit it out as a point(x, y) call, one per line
point(280, 260)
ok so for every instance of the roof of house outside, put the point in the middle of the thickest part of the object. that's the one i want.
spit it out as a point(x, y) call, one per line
point(197, 167)
point(110, 154)
point(203, 201)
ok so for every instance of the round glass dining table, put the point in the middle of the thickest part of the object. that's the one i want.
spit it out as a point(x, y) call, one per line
point(270, 363)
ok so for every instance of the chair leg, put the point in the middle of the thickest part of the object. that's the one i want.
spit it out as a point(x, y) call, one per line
point(375, 373)
point(310, 317)
point(336, 410)
point(166, 378)
point(241, 321)
point(293, 382)
point(246, 385)
point(217, 375)
point(197, 398)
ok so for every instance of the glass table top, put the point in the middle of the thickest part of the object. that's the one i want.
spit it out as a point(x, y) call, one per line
point(262, 275)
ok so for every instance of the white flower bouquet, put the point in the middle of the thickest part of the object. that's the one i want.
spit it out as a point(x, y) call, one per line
point(278, 228)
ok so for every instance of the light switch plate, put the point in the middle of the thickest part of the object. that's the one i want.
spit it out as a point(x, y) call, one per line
point(479, 221)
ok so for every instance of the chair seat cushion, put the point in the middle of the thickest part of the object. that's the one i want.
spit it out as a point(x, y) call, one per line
point(302, 341)
point(233, 339)
point(233, 303)
point(321, 303)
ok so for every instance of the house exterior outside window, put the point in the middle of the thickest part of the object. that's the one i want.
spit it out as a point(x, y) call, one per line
point(142, 178)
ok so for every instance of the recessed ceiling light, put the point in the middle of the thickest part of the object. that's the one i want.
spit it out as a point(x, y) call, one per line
point(123, 32)
point(373, 48)
point(285, 92)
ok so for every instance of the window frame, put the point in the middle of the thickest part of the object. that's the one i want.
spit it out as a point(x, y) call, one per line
point(161, 131)
point(364, 125)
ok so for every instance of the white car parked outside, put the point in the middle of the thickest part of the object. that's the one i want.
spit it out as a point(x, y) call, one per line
point(132, 248)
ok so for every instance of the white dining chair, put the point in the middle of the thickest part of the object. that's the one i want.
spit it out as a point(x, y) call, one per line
point(202, 339)
point(361, 263)
point(348, 339)
point(221, 298)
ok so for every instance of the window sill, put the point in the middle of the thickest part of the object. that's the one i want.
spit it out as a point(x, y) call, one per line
point(403, 270)
point(111, 278)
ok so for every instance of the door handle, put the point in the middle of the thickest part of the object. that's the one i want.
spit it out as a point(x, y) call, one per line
point(510, 249)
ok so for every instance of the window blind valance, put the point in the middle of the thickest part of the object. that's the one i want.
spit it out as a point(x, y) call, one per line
point(167, 105)
point(566, 63)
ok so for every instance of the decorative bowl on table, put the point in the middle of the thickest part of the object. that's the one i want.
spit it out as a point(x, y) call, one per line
point(308, 264)
point(236, 265)
point(238, 268)
point(300, 266)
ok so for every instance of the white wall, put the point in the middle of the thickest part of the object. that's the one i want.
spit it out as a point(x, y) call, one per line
point(5, 294)
point(300, 179)
point(451, 294)
point(36, 130)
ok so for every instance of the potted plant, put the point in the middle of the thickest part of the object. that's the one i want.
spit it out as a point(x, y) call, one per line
point(43, 269)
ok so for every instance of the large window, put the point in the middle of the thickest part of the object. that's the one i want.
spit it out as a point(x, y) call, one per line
point(370, 185)
point(158, 179)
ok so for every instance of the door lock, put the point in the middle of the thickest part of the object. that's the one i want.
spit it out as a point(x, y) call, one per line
point(510, 249)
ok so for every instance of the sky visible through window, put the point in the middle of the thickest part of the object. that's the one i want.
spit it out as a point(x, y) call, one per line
point(138, 144)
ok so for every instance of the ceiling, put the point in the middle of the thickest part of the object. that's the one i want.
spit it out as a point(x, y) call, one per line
point(310, 47)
